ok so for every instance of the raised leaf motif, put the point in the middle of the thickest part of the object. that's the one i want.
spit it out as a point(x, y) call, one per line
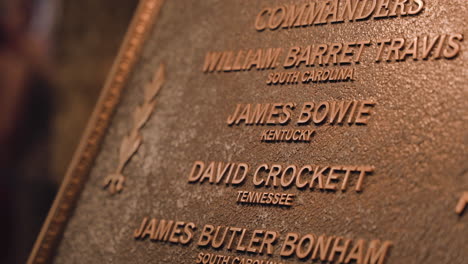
point(115, 182)
point(130, 145)
point(143, 113)
point(159, 78)
point(131, 142)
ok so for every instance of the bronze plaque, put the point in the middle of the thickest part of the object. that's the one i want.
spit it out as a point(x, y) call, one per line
point(255, 132)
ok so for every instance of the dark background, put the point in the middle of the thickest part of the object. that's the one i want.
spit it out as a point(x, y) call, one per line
point(54, 58)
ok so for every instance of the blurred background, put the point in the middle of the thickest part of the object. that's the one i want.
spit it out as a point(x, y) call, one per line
point(54, 58)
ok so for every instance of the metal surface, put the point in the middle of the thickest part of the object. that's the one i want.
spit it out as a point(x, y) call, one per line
point(387, 175)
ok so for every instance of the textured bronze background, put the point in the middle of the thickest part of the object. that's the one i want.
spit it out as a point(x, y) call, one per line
point(416, 140)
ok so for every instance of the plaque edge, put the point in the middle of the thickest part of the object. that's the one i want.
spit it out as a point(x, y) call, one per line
point(77, 173)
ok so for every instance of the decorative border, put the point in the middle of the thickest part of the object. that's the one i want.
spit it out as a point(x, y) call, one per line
point(78, 171)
